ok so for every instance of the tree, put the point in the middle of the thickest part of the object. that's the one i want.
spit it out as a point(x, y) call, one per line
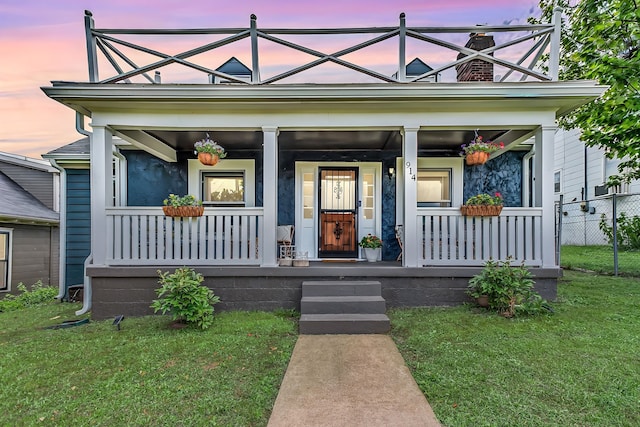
point(601, 41)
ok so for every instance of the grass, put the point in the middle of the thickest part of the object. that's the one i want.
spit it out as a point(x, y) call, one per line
point(144, 374)
point(600, 259)
point(579, 367)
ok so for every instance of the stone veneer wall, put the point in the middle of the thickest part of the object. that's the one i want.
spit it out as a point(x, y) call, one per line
point(502, 174)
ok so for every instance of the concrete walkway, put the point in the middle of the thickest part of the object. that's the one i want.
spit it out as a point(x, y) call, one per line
point(349, 380)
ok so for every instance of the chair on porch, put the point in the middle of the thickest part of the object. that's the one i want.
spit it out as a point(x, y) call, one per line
point(284, 236)
point(400, 239)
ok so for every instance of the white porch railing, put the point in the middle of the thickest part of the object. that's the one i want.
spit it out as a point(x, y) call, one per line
point(447, 238)
point(144, 236)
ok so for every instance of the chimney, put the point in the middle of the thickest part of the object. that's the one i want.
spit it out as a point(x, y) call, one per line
point(476, 70)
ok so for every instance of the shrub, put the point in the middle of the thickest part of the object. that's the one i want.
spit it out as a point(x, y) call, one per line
point(509, 289)
point(37, 295)
point(183, 295)
point(627, 231)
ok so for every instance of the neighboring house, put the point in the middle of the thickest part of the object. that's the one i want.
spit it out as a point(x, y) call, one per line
point(28, 222)
point(580, 174)
point(335, 160)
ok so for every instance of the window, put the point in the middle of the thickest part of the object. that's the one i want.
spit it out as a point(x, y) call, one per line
point(434, 187)
point(230, 183)
point(556, 181)
point(223, 188)
point(5, 250)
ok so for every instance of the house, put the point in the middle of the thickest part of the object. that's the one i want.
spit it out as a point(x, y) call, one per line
point(579, 177)
point(336, 160)
point(28, 222)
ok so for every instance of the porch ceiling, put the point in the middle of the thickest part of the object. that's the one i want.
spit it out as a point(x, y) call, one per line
point(364, 140)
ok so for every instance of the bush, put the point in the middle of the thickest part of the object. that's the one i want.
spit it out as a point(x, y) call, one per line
point(37, 295)
point(509, 289)
point(627, 233)
point(182, 295)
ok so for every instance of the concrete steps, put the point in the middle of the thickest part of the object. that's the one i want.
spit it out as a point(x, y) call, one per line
point(343, 307)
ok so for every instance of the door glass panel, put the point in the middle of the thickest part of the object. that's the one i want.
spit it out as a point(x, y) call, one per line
point(368, 196)
point(308, 196)
point(338, 189)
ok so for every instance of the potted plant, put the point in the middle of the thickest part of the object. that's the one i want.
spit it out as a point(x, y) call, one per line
point(478, 150)
point(483, 205)
point(507, 289)
point(182, 206)
point(209, 151)
point(371, 245)
point(185, 298)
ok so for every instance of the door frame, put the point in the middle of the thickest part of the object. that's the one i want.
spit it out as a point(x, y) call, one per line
point(355, 212)
point(307, 232)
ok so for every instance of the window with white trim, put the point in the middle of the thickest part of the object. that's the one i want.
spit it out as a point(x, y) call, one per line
point(5, 259)
point(434, 187)
point(232, 182)
point(557, 182)
point(223, 188)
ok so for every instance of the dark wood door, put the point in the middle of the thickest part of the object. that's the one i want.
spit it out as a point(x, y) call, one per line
point(338, 201)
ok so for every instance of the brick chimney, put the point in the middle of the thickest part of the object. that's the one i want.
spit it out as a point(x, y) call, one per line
point(476, 70)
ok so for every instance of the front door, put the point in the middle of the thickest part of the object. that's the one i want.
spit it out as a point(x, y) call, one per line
point(338, 196)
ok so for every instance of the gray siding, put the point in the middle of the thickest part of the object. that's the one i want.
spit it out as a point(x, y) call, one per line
point(34, 254)
point(38, 183)
point(78, 222)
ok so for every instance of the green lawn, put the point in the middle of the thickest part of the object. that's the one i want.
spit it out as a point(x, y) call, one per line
point(579, 367)
point(144, 374)
point(600, 259)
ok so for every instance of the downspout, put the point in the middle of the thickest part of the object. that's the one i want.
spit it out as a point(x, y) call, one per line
point(62, 258)
point(86, 294)
point(80, 125)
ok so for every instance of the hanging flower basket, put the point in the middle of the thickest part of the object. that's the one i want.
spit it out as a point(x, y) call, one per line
point(481, 210)
point(209, 151)
point(208, 159)
point(477, 158)
point(183, 211)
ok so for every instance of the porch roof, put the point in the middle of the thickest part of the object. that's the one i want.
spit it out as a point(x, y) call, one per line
point(558, 96)
point(487, 98)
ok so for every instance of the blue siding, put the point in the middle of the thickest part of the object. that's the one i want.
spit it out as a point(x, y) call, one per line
point(78, 223)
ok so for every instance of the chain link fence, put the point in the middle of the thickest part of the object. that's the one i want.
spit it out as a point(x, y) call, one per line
point(596, 221)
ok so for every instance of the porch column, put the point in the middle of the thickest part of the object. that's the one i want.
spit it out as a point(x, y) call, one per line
point(101, 179)
point(410, 156)
point(544, 140)
point(269, 196)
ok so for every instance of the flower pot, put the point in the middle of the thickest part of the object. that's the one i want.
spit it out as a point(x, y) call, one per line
point(481, 210)
point(183, 211)
point(477, 158)
point(208, 159)
point(371, 254)
point(483, 301)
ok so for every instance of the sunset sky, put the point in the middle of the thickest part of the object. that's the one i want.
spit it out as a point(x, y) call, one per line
point(43, 40)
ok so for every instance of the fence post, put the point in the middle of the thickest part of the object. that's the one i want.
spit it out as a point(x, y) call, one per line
point(92, 54)
point(615, 235)
point(402, 70)
point(255, 63)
